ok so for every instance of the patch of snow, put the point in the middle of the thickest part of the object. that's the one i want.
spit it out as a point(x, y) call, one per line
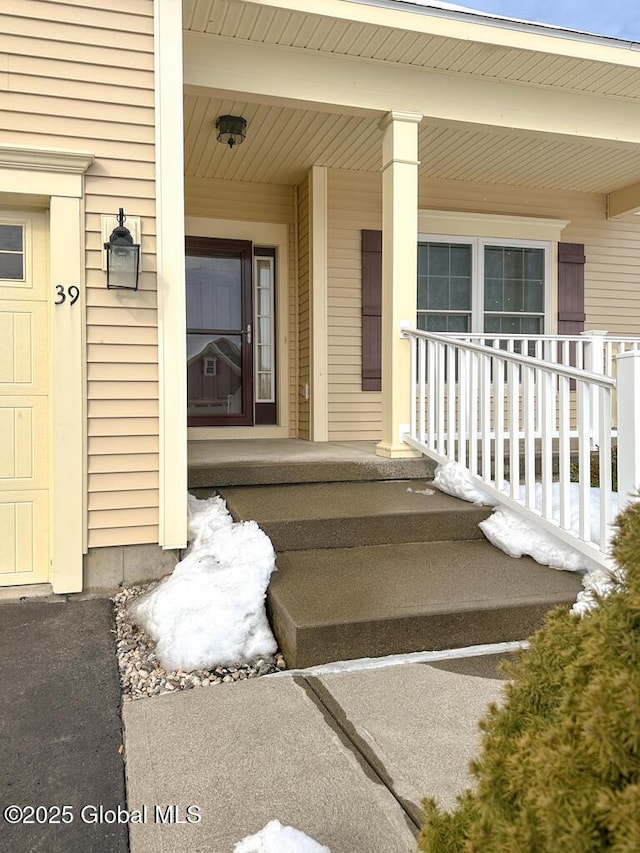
point(276, 838)
point(516, 535)
point(597, 583)
point(421, 491)
point(210, 610)
point(454, 479)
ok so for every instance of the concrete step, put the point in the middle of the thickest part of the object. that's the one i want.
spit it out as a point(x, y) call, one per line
point(339, 604)
point(346, 466)
point(345, 515)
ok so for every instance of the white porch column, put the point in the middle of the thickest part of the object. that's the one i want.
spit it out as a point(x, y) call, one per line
point(172, 354)
point(319, 421)
point(628, 427)
point(399, 273)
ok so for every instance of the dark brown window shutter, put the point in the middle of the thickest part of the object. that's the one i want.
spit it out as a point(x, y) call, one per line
point(371, 310)
point(570, 288)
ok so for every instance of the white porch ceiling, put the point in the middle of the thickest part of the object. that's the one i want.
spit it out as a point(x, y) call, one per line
point(283, 142)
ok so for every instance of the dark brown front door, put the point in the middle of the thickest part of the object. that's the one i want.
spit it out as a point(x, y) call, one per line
point(219, 318)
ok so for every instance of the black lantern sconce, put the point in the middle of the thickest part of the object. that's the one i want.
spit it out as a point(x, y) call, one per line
point(123, 258)
point(231, 130)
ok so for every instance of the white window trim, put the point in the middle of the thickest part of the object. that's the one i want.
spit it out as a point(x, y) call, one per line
point(257, 318)
point(478, 245)
point(460, 226)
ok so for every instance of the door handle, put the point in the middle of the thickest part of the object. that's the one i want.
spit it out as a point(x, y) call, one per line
point(247, 333)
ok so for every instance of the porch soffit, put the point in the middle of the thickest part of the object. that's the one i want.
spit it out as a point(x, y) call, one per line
point(615, 73)
point(283, 142)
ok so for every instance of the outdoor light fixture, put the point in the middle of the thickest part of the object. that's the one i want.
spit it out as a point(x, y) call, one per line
point(231, 129)
point(123, 258)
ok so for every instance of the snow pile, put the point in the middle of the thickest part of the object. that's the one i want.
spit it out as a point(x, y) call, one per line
point(597, 583)
point(454, 479)
point(210, 610)
point(276, 838)
point(516, 536)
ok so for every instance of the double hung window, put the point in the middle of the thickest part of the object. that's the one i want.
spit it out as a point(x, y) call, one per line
point(483, 285)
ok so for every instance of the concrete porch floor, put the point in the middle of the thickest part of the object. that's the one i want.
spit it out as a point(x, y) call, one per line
point(227, 462)
point(257, 450)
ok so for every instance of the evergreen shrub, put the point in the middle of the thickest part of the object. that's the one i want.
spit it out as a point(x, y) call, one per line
point(559, 770)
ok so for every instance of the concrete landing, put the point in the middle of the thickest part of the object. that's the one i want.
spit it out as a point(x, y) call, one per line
point(249, 753)
point(344, 757)
point(345, 515)
point(231, 462)
point(339, 604)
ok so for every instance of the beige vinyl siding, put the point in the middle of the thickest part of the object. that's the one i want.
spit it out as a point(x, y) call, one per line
point(612, 248)
point(354, 203)
point(304, 313)
point(249, 202)
point(80, 76)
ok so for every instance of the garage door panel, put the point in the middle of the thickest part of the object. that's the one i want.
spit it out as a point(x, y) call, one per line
point(24, 446)
point(23, 347)
point(23, 539)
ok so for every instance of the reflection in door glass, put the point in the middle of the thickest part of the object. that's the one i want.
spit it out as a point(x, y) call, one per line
point(214, 376)
point(213, 293)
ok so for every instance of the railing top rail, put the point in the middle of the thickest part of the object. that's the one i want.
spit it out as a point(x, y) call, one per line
point(519, 337)
point(512, 337)
point(515, 358)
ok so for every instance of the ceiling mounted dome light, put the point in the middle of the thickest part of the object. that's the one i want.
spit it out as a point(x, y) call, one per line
point(231, 130)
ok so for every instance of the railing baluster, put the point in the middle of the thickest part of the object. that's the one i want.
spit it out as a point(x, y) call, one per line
point(498, 420)
point(485, 416)
point(514, 430)
point(473, 414)
point(422, 347)
point(451, 402)
point(440, 447)
point(463, 390)
point(529, 407)
point(604, 459)
point(548, 418)
point(584, 461)
point(564, 451)
point(433, 391)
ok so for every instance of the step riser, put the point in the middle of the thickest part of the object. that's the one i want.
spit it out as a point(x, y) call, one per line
point(212, 477)
point(303, 647)
point(386, 530)
point(339, 604)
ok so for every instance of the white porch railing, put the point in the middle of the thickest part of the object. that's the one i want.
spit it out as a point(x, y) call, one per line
point(514, 420)
point(595, 351)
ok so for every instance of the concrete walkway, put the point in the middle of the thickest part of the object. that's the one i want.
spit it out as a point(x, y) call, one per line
point(345, 757)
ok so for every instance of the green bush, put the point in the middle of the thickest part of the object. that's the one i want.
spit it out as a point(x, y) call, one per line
point(559, 770)
point(594, 469)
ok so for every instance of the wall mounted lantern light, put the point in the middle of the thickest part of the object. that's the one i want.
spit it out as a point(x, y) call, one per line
point(231, 129)
point(123, 258)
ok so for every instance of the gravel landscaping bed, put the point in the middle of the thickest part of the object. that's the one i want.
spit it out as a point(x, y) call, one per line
point(140, 673)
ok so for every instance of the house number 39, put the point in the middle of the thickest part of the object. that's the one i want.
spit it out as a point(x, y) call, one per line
point(72, 292)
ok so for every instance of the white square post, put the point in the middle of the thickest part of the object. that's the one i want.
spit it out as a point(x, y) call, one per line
point(594, 363)
point(399, 274)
